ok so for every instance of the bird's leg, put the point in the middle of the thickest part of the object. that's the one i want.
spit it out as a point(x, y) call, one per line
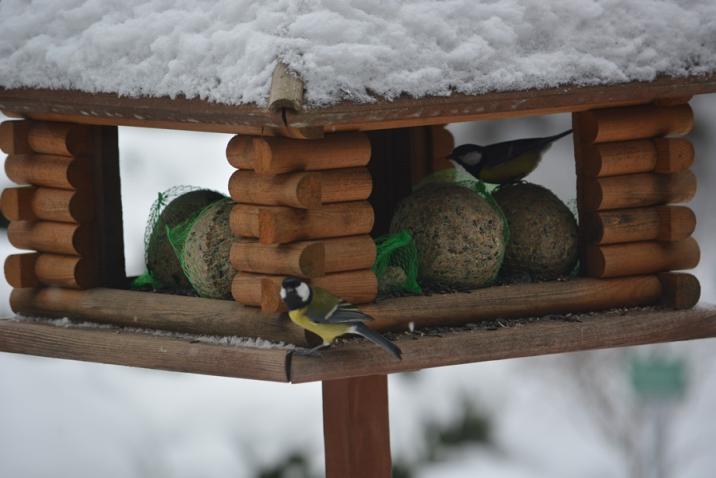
point(313, 352)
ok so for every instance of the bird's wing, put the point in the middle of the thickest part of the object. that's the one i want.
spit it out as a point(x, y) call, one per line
point(498, 153)
point(326, 308)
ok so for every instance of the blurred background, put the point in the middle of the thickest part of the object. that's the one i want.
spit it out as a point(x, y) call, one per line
point(636, 412)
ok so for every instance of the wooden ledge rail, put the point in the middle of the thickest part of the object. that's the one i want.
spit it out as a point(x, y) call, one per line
point(56, 237)
point(191, 315)
point(226, 318)
point(58, 205)
point(635, 122)
point(283, 155)
point(279, 225)
point(663, 223)
point(49, 170)
point(660, 155)
point(638, 190)
point(64, 139)
point(358, 287)
point(301, 190)
point(627, 259)
point(31, 269)
point(308, 259)
point(545, 336)
point(140, 350)
point(356, 358)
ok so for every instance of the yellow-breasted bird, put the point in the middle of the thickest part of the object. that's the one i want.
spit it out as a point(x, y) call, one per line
point(505, 162)
point(327, 316)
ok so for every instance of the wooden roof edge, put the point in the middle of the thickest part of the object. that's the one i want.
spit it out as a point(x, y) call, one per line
point(517, 339)
point(408, 111)
point(152, 112)
point(295, 119)
point(120, 347)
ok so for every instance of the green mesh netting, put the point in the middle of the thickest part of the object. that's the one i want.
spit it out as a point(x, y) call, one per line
point(177, 236)
point(148, 280)
point(461, 177)
point(398, 250)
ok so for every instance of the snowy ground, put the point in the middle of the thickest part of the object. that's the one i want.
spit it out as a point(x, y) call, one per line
point(63, 418)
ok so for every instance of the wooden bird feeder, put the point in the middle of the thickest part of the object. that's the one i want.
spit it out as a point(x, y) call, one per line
point(312, 185)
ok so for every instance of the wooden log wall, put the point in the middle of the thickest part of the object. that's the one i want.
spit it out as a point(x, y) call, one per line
point(53, 210)
point(302, 210)
point(632, 174)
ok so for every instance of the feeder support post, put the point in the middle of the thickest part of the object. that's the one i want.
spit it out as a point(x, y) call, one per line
point(355, 427)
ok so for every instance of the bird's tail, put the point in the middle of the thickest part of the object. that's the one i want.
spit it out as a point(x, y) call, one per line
point(550, 139)
point(377, 339)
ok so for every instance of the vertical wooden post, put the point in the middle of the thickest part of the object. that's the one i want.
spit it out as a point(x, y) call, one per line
point(390, 167)
point(108, 203)
point(355, 427)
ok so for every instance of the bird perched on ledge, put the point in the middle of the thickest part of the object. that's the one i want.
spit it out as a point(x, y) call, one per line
point(327, 316)
point(506, 162)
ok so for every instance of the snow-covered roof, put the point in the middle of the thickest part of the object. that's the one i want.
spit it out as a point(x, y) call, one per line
point(226, 50)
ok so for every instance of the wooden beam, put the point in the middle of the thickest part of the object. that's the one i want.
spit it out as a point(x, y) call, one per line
point(192, 315)
point(492, 341)
point(637, 122)
point(114, 110)
point(510, 340)
point(279, 225)
point(662, 223)
point(638, 190)
point(356, 431)
point(108, 227)
point(222, 317)
point(409, 112)
point(119, 347)
point(201, 115)
point(286, 89)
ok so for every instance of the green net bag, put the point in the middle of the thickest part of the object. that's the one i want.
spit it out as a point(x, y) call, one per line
point(201, 244)
point(396, 263)
point(171, 208)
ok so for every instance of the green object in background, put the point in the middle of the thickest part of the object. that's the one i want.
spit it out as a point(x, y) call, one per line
point(658, 378)
point(398, 250)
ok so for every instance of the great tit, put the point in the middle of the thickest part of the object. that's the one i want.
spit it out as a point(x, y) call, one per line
point(327, 316)
point(506, 162)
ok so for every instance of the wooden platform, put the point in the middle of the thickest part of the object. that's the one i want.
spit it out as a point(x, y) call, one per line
point(492, 340)
point(200, 115)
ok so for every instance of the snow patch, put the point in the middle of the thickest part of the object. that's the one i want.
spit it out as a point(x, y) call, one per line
point(225, 51)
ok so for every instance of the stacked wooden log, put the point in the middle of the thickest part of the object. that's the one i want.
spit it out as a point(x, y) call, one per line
point(633, 170)
point(53, 212)
point(301, 210)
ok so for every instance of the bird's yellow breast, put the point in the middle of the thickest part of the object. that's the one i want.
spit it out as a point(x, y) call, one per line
point(328, 332)
point(511, 170)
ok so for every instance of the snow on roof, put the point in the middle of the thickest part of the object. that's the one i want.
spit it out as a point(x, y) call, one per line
point(226, 50)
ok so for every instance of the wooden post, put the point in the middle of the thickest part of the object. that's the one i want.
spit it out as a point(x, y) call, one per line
point(108, 200)
point(356, 431)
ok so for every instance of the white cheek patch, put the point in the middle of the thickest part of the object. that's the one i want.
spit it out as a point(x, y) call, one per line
point(282, 293)
point(472, 158)
point(303, 291)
